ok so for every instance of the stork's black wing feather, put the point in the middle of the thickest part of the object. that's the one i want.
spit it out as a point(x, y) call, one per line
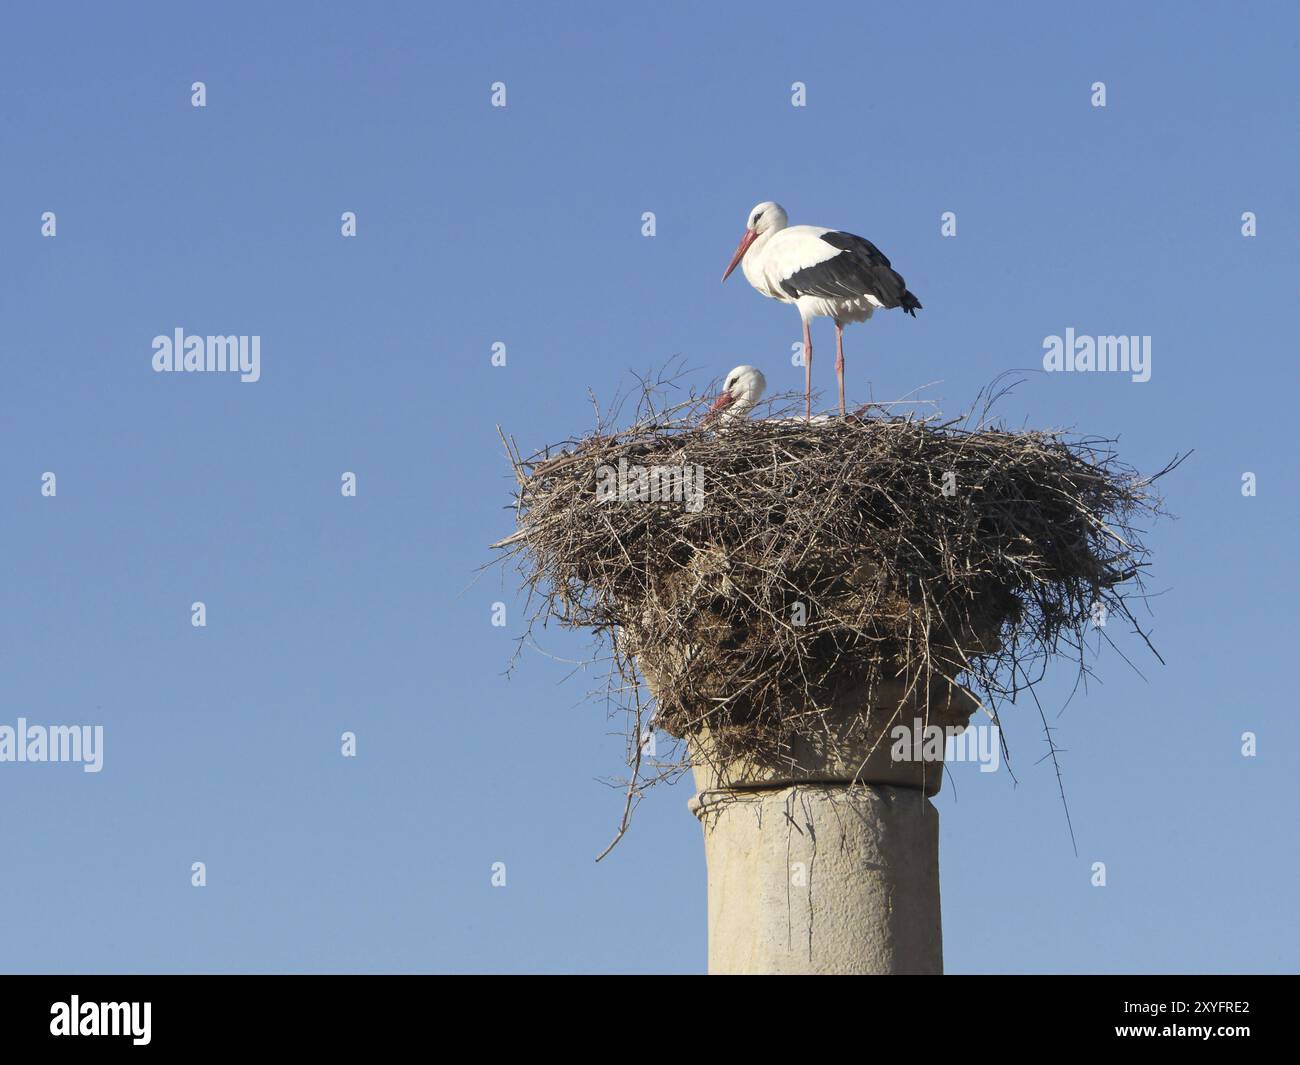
point(860, 269)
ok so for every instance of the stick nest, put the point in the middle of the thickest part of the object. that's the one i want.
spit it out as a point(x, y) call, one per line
point(825, 560)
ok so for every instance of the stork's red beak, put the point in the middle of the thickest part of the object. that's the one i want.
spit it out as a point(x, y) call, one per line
point(750, 236)
point(724, 400)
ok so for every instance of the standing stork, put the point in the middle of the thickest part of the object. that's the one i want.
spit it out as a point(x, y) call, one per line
point(824, 272)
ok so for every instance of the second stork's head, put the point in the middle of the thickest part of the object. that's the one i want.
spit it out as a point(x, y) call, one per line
point(766, 217)
point(740, 392)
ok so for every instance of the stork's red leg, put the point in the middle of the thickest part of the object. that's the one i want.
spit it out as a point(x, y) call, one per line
point(839, 362)
point(807, 371)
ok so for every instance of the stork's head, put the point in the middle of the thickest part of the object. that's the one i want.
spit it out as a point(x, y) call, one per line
point(766, 217)
point(740, 392)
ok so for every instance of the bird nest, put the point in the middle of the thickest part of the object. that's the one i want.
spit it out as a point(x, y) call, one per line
point(759, 577)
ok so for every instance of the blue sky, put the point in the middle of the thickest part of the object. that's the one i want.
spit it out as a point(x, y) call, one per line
point(522, 225)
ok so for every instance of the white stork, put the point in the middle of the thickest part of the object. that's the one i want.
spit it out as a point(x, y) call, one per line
point(823, 272)
point(740, 392)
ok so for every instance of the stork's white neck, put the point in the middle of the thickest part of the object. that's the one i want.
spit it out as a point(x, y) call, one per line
point(738, 411)
point(752, 264)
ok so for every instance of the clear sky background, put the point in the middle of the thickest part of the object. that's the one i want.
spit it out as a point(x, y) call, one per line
point(523, 225)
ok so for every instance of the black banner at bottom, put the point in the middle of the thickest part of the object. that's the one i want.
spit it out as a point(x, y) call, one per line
point(369, 1013)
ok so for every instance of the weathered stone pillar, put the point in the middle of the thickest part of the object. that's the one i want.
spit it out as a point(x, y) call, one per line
point(825, 859)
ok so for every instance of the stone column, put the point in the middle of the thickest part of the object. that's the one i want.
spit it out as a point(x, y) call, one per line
point(825, 858)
